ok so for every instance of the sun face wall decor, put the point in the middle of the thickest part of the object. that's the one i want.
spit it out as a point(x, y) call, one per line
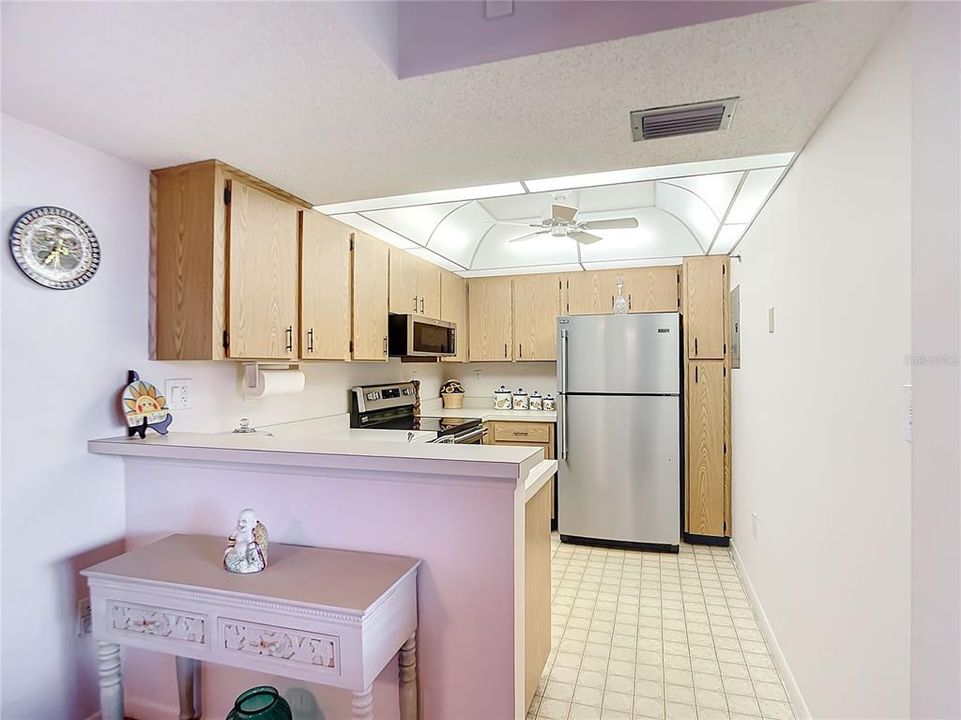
point(55, 248)
point(144, 407)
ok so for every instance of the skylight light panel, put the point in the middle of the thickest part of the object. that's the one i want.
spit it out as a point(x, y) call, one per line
point(478, 192)
point(727, 238)
point(754, 192)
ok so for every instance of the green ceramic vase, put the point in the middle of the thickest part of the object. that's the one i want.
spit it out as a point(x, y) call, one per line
point(260, 703)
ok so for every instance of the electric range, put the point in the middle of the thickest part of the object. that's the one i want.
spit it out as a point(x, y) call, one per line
point(392, 407)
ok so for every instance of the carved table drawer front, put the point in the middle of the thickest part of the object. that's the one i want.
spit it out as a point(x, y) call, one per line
point(157, 622)
point(318, 650)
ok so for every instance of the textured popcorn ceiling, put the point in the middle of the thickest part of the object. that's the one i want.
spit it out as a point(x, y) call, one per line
point(288, 92)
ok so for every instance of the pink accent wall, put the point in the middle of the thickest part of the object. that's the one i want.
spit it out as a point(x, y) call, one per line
point(463, 532)
point(434, 35)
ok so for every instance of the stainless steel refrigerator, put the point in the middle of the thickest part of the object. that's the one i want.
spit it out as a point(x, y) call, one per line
point(619, 429)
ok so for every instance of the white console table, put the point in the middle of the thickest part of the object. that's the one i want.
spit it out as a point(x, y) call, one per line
point(325, 616)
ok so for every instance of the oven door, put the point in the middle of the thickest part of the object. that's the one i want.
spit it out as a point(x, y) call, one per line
point(474, 436)
point(428, 337)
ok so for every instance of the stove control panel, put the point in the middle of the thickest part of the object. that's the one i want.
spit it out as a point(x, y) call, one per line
point(366, 398)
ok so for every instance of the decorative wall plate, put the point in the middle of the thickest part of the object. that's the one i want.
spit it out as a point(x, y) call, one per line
point(55, 247)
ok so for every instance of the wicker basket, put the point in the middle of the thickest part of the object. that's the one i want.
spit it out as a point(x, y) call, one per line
point(453, 401)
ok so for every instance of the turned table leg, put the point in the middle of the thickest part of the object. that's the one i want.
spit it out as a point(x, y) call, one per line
point(188, 686)
point(111, 681)
point(407, 663)
point(362, 705)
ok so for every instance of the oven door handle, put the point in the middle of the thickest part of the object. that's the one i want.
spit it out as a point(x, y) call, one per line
point(472, 435)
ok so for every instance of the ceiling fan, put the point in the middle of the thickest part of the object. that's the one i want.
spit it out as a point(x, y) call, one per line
point(561, 223)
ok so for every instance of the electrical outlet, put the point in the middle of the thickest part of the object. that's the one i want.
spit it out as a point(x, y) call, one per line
point(477, 375)
point(178, 393)
point(754, 524)
point(84, 618)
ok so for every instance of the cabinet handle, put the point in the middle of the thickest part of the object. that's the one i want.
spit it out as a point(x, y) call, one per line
point(290, 338)
point(695, 346)
point(630, 306)
point(505, 349)
point(310, 340)
point(422, 306)
point(518, 432)
point(695, 374)
point(385, 345)
point(415, 303)
point(612, 302)
point(520, 350)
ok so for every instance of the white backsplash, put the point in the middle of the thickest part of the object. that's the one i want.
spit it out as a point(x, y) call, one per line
point(540, 376)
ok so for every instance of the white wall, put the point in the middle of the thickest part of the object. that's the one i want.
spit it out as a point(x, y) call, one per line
point(65, 357)
point(818, 409)
point(540, 376)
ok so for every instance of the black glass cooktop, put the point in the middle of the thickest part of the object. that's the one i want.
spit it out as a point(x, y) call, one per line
point(441, 426)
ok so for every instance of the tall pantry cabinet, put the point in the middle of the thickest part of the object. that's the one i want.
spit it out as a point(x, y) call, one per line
point(707, 411)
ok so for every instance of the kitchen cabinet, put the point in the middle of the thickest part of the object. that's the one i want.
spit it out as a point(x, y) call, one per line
point(704, 303)
point(537, 302)
point(649, 289)
point(537, 588)
point(490, 335)
point(706, 495)
point(226, 265)
point(453, 308)
point(370, 297)
point(325, 287)
point(414, 285)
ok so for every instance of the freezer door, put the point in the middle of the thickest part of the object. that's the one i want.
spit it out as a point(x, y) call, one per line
point(621, 477)
point(619, 354)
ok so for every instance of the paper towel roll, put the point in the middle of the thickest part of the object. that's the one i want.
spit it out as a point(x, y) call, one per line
point(278, 382)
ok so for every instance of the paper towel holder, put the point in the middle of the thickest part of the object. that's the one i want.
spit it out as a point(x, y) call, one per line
point(252, 372)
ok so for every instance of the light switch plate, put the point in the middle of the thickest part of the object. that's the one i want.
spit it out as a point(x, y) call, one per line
point(770, 319)
point(178, 393)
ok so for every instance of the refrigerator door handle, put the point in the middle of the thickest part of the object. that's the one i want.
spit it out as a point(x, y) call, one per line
point(562, 370)
point(562, 425)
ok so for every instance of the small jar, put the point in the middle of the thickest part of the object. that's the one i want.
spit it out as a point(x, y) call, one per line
point(521, 400)
point(536, 401)
point(502, 399)
point(550, 403)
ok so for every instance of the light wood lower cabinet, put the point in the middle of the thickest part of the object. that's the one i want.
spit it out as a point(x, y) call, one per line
point(490, 336)
point(325, 293)
point(651, 289)
point(706, 496)
point(369, 272)
point(537, 588)
point(263, 274)
point(537, 302)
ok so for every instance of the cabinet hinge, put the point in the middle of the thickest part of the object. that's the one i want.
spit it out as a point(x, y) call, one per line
point(352, 346)
point(723, 269)
point(725, 448)
point(725, 348)
point(227, 195)
point(226, 339)
point(725, 370)
point(352, 241)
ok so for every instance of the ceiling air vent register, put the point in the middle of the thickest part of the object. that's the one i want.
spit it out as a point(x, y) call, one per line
point(662, 122)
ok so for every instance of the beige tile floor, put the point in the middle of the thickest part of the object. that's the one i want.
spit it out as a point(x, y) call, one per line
point(654, 635)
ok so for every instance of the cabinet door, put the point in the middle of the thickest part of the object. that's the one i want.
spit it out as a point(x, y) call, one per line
point(324, 287)
point(370, 269)
point(705, 448)
point(705, 280)
point(489, 317)
point(263, 274)
point(652, 289)
point(589, 293)
point(453, 308)
point(403, 283)
point(428, 288)
point(537, 300)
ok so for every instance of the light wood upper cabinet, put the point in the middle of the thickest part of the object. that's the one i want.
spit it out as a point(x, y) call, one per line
point(705, 447)
point(404, 298)
point(652, 289)
point(325, 287)
point(489, 317)
point(370, 290)
point(453, 308)
point(537, 301)
point(263, 274)
point(705, 299)
point(428, 289)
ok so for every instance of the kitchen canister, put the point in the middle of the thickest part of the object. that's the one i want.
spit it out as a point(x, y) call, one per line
point(502, 399)
point(260, 703)
point(521, 400)
point(536, 401)
point(550, 403)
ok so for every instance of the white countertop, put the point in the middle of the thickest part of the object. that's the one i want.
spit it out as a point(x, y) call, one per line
point(538, 477)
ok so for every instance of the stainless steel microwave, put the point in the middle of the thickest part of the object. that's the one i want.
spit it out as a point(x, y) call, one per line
point(419, 336)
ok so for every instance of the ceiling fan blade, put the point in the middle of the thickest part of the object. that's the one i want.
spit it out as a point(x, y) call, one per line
point(563, 212)
point(613, 224)
point(528, 236)
point(585, 238)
